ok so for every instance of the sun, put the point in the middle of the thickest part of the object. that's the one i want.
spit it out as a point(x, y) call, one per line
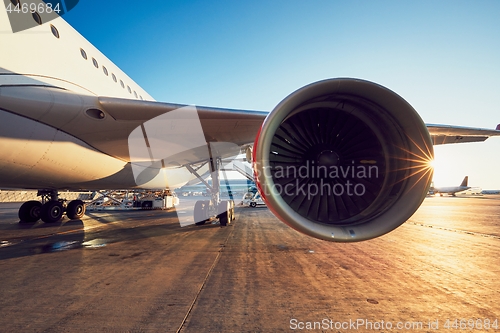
point(432, 163)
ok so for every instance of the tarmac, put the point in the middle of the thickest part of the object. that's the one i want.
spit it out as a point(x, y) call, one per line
point(139, 271)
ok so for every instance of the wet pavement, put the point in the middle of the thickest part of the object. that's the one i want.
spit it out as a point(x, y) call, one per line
point(138, 271)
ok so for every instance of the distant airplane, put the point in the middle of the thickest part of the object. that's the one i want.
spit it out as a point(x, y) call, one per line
point(490, 192)
point(340, 159)
point(451, 189)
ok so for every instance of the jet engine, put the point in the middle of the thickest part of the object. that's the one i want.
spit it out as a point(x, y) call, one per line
point(343, 160)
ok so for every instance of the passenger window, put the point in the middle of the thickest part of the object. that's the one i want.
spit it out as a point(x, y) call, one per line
point(54, 31)
point(84, 54)
point(96, 65)
point(114, 77)
point(121, 82)
point(37, 18)
point(105, 70)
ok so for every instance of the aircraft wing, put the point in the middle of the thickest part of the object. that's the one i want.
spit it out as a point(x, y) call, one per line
point(239, 127)
point(105, 123)
point(444, 134)
point(227, 125)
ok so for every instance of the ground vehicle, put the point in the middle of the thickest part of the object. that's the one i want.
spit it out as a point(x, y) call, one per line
point(252, 199)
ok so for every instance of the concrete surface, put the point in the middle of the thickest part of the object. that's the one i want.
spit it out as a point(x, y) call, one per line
point(138, 271)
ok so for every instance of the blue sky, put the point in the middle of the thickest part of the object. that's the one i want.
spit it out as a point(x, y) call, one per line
point(443, 57)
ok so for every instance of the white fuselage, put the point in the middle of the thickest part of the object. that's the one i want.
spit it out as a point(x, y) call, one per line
point(451, 189)
point(35, 149)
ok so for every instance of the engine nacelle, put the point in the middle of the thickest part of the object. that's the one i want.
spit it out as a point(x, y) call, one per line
point(343, 160)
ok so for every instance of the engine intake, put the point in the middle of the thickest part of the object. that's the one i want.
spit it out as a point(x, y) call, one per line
point(343, 160)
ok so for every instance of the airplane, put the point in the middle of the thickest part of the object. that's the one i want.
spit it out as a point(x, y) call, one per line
point(451, 189)
point(341, 159)
point(490, 192)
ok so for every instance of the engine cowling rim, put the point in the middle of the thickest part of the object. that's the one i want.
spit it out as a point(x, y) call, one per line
point(382, 97)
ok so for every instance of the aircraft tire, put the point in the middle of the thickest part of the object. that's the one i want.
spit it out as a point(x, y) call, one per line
point(51, 212)
point(29, 212)
point(75, 209)
point(200, 212)
point(233, 216)
point(224, 213)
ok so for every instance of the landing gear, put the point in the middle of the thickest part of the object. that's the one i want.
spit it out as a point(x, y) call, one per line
point(75, 209)
point(224, 213)
point(201, 212)
point(30, 211)
point(231, 205)
point(51, 209)
point(204, 210)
